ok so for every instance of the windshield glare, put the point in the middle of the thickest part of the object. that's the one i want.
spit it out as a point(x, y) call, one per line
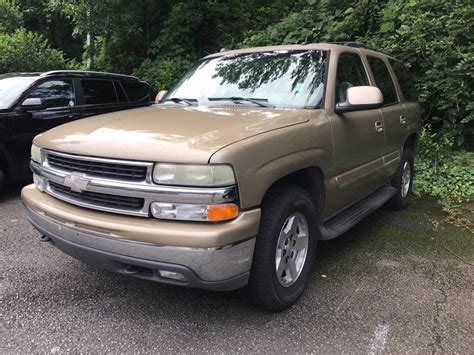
point(278, 78)
point(12, 88)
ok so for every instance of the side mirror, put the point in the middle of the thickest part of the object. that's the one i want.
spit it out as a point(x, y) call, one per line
point(160, 96)
point(33, 103)
point(360, 98)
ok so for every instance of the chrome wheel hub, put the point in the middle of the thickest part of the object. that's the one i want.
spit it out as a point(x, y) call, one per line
point(291, 249)
point(406, 179)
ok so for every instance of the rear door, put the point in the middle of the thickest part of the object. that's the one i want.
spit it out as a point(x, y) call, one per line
point(99, 96)
point(393, 111)
point(138, 94)
point(357, 143)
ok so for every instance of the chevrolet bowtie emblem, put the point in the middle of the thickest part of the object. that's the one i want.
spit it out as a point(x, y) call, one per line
point(76, 182)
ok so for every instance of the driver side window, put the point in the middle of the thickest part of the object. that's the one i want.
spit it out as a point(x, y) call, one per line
point(350, 72)
point(55, 93)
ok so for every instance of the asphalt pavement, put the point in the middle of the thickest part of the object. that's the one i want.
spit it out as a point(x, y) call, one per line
point(399, 282)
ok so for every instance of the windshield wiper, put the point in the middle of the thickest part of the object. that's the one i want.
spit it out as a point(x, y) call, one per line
point(178, 100)
point(236, 99)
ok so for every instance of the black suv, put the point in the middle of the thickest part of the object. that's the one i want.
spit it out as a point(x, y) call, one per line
point(31, 103)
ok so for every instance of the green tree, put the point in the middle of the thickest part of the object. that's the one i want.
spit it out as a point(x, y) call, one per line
point(10, 16)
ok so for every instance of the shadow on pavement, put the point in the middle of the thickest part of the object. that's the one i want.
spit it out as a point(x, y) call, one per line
point(12, 191)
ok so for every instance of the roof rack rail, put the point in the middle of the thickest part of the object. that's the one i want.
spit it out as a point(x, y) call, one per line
point(354, 44)
point(86, 73)
point(351, 44)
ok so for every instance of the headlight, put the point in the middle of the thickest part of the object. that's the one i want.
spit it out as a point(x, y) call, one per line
point(187, 212)
point(36, 154)
point(193, 175)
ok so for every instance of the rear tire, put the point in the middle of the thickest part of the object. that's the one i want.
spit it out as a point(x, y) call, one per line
point(284, 250)
point(403, 181)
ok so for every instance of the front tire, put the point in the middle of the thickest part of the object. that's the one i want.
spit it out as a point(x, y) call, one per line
point(284, 250)
point(403, 181)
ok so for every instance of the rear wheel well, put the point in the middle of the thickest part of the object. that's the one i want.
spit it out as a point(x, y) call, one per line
point(312, 181)
point(411, 143)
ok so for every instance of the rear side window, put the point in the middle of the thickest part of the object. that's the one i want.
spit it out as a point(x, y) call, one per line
point(98, 91)
point(404, 80)
point(383, 80)
point(136, 92)
point(55, 93)
point(120, 93)
point(350, 72)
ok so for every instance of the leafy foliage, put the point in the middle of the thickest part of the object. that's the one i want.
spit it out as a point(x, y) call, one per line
point(435, 38)
point(10, 16)
point(443, 172)
point(161, 73)
point(27, 51)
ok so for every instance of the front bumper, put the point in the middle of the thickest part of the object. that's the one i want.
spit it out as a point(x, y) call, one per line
point(219, 262)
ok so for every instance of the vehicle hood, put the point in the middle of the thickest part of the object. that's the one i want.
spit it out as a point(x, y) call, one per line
point(166, 133)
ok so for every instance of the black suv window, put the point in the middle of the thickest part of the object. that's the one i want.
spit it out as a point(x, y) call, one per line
point(350, 72)
point(120, 93)
point(383, 80)
point(98, 91)
point(136, 91)
point(405, 80)
point(55, 93)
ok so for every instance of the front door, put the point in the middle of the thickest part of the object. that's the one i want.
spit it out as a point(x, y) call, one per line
point(358, 140)
point(59, 104)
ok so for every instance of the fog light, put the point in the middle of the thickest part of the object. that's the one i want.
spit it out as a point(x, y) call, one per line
point(172, 275)
point(188, 212)
point(39, 182)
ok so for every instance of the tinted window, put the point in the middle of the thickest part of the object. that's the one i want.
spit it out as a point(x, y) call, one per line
point(405, 81)
point(55, 93)
point(350, 72)
point(98, 91)
point(383, 80)
point(120, 93)
point(136, 91)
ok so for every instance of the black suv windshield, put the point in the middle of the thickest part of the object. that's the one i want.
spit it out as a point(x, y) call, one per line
point(11, 88)
point(276, 78)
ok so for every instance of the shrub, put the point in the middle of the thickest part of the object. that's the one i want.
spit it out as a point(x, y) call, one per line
point(443, 172)
point(24, 51)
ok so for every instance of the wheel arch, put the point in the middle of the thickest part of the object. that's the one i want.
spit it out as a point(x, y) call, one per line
point(310, 179)
point(411, 142)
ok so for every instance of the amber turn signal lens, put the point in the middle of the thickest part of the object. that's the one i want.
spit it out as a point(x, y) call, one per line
point(222, 212)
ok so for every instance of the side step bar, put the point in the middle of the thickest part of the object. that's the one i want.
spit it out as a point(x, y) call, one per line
point(354, 214)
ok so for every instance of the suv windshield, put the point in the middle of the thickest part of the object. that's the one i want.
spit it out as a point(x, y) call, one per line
point(11, 88)
point(277, 78)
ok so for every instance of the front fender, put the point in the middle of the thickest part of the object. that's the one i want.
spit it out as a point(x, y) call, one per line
point(262, 160)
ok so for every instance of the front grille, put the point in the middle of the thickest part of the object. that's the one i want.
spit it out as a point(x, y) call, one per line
point(97, 168)
point(99, 199)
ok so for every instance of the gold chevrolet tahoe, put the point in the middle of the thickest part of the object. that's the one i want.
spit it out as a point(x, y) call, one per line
point(232, 178)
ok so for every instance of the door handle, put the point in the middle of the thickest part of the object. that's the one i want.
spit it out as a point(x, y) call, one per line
point(403, 120)
point(379, 127)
